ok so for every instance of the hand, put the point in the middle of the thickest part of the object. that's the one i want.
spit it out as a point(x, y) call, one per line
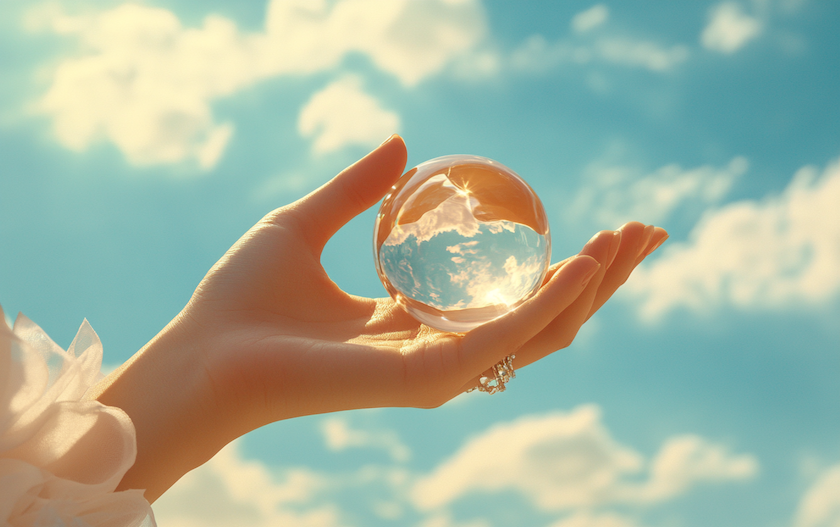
point(268, 336)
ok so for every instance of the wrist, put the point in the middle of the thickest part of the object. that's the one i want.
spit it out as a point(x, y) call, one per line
point(164, 390)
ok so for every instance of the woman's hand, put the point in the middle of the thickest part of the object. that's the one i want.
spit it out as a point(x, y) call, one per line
point(268, 336)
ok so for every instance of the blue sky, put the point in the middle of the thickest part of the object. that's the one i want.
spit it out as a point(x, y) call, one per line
point(139, 141)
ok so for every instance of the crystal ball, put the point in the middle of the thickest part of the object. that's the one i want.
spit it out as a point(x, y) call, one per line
point(461, 240)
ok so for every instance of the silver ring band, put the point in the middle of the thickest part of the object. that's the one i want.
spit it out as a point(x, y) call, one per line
point(502, 373)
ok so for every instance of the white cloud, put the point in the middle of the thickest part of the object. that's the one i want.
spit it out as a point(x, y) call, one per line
point(452, 214)
point(537, 54)
point(565, 463)
point(209, 153)
point(145, 83)
point(820, 506)
point(588, 47)
point(445, 520)
point(569, 461)
point(587, 519)
point(643, 54)
point(388, 510)
point(780, 251)
point(229, 490)
point(729, 29)
point(342, 114)
point(614, 195)
point(339, 436)
point(411, 40)
point(486, 288)
point(455, 212)
point(463, 248)
point(685, 460)
point(591, 18)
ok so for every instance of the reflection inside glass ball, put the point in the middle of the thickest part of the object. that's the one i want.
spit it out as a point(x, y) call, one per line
point(461, 240)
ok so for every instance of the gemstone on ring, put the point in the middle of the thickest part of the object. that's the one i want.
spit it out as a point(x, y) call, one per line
point(502, 373)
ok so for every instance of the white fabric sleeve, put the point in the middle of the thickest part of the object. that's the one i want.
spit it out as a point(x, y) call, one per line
point(61, 457)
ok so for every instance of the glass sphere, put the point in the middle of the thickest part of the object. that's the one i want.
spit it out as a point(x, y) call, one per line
point(461, 240)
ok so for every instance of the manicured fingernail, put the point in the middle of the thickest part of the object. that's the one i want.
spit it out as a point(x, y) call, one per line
point(615, 243)
point(643, 243)
point(655, 247)
point(590, 273)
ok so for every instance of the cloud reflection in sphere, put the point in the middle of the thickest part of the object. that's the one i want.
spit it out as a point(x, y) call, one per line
point(461, 240)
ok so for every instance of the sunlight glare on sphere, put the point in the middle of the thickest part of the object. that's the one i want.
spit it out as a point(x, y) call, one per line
point(461, 240)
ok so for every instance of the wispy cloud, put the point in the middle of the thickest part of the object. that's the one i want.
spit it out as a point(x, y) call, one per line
point(338, 435)
point(539, 54)
point(592, 42)
point(729, 28)
point(779, 251)
point(590, 19)
point(613, 194)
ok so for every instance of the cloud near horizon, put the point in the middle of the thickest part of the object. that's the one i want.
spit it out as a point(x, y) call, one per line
point(230, 490)
point(569, 461)
point(564, 463)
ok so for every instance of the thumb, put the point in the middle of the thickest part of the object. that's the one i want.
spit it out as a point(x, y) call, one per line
point(351, 192)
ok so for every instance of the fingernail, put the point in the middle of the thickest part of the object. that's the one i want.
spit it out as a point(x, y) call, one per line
point(643, 243)
point(615, 243)
point(660, 242)
point(591, 241)
point(389, 138)
point(584, 281)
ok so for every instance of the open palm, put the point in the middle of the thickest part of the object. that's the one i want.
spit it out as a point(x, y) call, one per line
point(282, 340)
point(268, 336)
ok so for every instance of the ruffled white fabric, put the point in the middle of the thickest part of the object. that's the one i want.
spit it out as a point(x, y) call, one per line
point(61, 457)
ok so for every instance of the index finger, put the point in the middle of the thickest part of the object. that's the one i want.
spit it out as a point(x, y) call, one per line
point(483, 346)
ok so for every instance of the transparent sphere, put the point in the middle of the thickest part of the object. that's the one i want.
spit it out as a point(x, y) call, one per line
point(461, 240)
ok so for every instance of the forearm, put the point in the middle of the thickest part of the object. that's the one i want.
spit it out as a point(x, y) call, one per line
point(163, 388)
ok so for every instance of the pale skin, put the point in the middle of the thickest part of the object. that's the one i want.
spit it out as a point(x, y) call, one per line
point(268, 336)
